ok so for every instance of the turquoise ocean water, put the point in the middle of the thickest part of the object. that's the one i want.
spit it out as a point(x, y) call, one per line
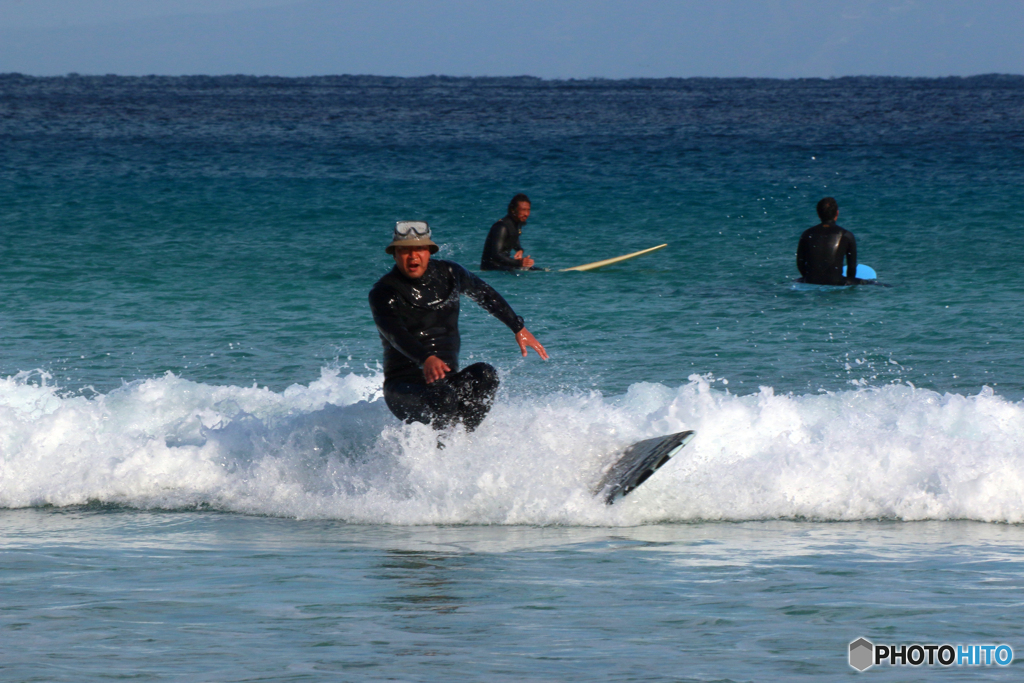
point(199, 481)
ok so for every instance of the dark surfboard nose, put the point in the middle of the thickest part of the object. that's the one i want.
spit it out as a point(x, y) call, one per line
point(638, 463)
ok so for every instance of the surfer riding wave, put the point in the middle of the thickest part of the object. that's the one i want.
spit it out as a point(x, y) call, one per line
point(416, 309)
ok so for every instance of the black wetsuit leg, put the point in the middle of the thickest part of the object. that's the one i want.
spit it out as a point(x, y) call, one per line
point(464, 396)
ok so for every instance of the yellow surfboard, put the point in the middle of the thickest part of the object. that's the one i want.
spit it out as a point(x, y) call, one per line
point(610, 261)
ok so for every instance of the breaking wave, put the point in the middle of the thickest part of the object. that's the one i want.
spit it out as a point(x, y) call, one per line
point(331, 449)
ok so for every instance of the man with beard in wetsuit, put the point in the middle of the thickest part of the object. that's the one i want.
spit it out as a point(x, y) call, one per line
point(416, 310)
point(504, 238)
point(820, 253)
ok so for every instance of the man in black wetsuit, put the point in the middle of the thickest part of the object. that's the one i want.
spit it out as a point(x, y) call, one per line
point(504, 238)
point(820, 253)
point(416, 310)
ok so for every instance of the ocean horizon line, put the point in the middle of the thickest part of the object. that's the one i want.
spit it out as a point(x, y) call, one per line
point(520, 79)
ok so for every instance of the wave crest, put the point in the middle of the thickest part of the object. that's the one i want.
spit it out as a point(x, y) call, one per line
point(332, 450)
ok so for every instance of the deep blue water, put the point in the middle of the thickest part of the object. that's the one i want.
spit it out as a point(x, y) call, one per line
point(187, 353)
point(142, 215)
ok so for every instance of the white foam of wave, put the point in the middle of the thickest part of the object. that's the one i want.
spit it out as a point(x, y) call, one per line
point(332, 450)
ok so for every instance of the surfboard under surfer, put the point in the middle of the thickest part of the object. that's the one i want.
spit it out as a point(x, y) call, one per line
point(416, 309)
point(822, 249)
point(503, 239)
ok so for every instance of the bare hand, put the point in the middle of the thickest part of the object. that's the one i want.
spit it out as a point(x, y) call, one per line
point(524, 339)
point(434, 369)
point(524, 261)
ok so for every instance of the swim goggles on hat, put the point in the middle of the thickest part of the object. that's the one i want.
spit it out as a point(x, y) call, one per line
point(412, 229)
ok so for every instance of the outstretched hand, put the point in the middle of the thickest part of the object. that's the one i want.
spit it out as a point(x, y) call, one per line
point(524, 339)
point(434, 369)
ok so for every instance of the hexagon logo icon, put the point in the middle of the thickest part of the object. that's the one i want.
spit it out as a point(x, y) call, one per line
point(862, 654)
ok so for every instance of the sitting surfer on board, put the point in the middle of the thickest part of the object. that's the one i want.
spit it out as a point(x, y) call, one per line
point(820, 253)
point(416, 309)
point(504, 238)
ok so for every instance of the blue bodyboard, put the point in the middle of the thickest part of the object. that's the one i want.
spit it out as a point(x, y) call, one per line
point(864, 272)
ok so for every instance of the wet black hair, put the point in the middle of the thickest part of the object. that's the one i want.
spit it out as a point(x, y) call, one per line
point(828, 209)
point(516, 201)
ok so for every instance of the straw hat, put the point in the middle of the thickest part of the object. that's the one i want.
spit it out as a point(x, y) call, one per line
point(411, 234)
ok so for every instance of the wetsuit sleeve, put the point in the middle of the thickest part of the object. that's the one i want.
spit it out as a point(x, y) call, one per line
point(801, 255)
point(486, 297)
point(383, 305)
point(514, 245)
point(496, 249)
point(851, 254)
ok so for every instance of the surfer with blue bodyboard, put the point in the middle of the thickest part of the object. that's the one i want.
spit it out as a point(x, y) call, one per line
point(823, 248)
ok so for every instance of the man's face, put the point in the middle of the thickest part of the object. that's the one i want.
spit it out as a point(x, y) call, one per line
point(412, 261)
point(522, 212)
